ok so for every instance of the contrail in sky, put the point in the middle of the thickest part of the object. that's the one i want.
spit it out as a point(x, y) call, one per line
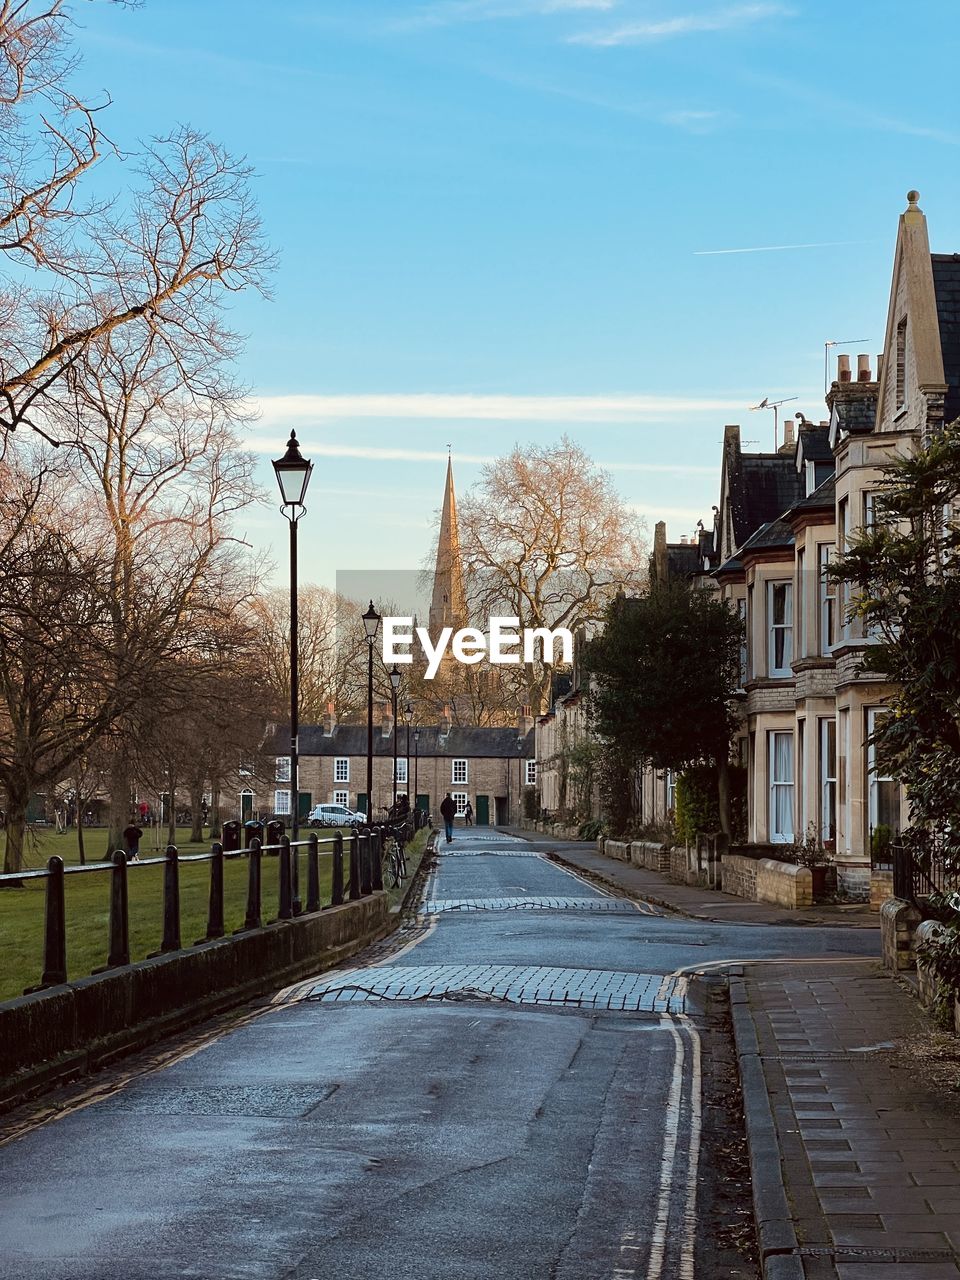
point(776, 248)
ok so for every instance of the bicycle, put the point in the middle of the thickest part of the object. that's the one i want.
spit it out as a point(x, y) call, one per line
point(394, 863)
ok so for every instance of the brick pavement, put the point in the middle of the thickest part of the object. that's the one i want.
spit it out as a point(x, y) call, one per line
point(869, 1156)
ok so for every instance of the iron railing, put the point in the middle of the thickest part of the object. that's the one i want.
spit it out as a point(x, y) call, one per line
point(923, 869)
point(364, 876)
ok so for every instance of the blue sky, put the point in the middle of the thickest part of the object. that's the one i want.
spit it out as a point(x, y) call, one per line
point(498, 221)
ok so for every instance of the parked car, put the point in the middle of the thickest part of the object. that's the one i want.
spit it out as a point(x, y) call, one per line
point(335, 815)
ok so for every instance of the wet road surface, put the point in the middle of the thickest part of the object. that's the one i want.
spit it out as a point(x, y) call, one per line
point(511, 1088)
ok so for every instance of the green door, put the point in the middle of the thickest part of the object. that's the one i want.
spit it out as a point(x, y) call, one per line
point(423, 802)
point(362, 802)
point(305, 805)
point(246, 805)
point(483, 811)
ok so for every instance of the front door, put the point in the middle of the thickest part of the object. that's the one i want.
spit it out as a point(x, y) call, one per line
point(362, 802)
point(246, 805)
point(423, 802)
point(306, 804)
point(483, 811)
point(503, 816)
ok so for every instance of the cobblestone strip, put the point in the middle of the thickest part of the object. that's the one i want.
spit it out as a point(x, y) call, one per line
point(614, 990)
point(434, 906)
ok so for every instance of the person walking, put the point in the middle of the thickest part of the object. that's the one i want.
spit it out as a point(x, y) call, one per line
point(131, 841)
point(448, 811)
point(468, 814)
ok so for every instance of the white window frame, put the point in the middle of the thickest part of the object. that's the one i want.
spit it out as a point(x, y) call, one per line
point(873, 777)
point(283, 769)
point(402, 770)
point(826, 599)
point(341, 797)
point(773, 671)
point(281, 802)
point(828, 785)
point(460, 798)
point(775, 784)
point(459, 772)
point(341, 768)
point(744, 651)
point(530, 775)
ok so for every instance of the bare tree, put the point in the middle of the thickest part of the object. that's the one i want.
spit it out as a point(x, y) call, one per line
point(546, 539)
point(159, 261)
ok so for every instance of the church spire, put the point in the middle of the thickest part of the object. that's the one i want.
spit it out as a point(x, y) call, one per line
point(448, 606)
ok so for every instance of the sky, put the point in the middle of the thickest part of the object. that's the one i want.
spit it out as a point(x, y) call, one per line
point(499, 221)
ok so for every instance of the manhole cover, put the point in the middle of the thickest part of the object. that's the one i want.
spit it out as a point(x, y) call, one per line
point(539, 985)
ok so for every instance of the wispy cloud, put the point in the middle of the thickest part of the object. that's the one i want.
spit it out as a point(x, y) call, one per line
point(689, 24)
point(450, 12)
point(375, 453)
point(779, 248)
point(293, 409)
point(695, 121)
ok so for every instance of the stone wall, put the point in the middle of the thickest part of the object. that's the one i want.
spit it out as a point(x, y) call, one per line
point(654, 857)
point(72, 1028)
point(784, 884)
point(898, 927)
point(618, 849)
point(927, 981)
point(881, 888)
point(738, 875)
point(856, 882)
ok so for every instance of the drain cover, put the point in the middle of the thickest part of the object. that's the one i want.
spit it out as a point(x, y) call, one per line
point(537, 984)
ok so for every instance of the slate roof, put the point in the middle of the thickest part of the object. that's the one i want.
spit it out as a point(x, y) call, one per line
point(814, 443)
point(823, 497)
point(761, 487)
point(733, 565)
point(462, 742)
point(856, 415)
point(946, 284)
point(774, 534)
point(683, 558)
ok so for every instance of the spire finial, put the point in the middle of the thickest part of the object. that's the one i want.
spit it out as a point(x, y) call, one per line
point(912, 198)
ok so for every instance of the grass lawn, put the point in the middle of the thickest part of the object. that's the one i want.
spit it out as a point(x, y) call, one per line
point(88, 905)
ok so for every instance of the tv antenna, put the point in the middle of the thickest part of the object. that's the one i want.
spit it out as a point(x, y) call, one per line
point(765, 403)
point(845, 342)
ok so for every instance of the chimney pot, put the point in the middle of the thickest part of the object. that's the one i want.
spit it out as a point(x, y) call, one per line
point(863, 369)
point(843, 368)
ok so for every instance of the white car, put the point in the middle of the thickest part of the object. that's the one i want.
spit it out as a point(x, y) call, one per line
point(335, 815)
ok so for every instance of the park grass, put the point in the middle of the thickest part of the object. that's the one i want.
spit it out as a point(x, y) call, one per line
point(87, 898)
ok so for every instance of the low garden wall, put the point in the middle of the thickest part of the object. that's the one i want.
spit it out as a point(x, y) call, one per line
point(653, 857)
point(899, 921)
point(72, 1028)
point(738, 875)
point(881, 888)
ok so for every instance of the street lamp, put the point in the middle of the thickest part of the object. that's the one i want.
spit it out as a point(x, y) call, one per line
point(519, 779)
point(371, 624)
point(293, 475)
point(408, 716)
point(394, 686)
point(416, 763)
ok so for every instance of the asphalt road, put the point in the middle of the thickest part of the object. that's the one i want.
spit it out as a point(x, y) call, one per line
point(514, 1087)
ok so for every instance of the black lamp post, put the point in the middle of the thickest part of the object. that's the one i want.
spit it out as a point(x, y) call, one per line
point(519, 779)
point(394, 686)
point(408, 716)
point(416, 763)
point(371, 624)
point(293, 475)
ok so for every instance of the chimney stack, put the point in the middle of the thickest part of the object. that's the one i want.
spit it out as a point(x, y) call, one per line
point(843, 368)
point(787, 435)
point(446, 721)
point(386, 721)
point(863, 369)
point(329, 721)
point(524, 722)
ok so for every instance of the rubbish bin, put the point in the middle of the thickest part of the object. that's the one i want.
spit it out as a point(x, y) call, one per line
point(275, 830)
point(252, 830)
point(231, 836)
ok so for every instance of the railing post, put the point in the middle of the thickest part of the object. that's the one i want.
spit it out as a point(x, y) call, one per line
point(336, 889)
point(54, 927)
point(215, 904)
point(377, 859)
point(366, 841)
point(313, 872)
point(354, 865)
point(119, 953)
point(252, 920)
point(286, 885)
point(296, 906)
point(171, 901)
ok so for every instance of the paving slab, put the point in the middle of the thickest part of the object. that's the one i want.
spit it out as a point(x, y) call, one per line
point(868, 1174)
